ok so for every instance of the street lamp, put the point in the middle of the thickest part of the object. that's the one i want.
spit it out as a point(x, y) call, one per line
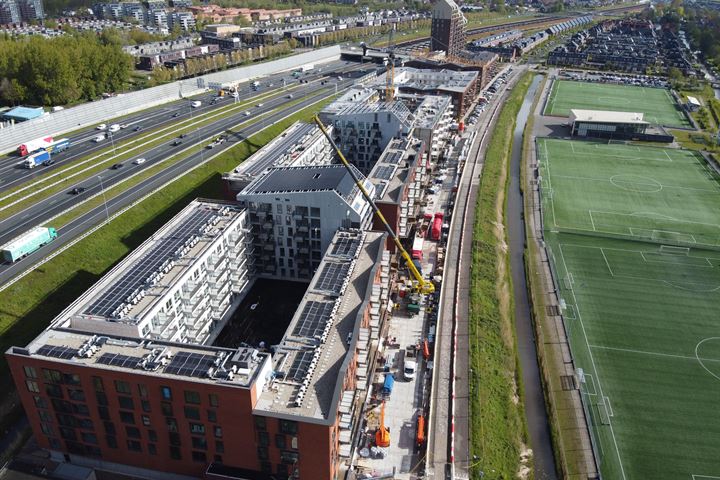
point(102, 189)
point(112, 141)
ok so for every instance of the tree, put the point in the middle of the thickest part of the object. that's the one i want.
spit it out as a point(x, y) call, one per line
point(8, 92)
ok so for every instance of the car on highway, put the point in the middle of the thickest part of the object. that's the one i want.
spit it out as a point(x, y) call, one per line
point(102, 126)
point(124, 126)
point(176, 114)
point(116, 166)
point(176, 143)
point(114, 128)
point(289, 95)
point(137, 129)
point(48, 162)
point(247, 113)
point(259, 105)
point(182, 135)
point(77, 190)
point(99, 138)
point(196, 104)
point(139, 161)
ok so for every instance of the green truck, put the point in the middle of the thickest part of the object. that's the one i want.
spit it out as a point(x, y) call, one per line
point(27, 243)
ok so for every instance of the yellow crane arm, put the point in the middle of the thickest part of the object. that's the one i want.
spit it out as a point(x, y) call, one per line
point(424, 286)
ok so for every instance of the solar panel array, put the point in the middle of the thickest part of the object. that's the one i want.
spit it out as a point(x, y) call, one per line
point(313, 319)
point(332, 276)
point(190, 364)
point(346, 245)
point(385, 172)
point(135, 277)
point(55, 351)
point(117, 360)
point(300, 366)
point(394, 158)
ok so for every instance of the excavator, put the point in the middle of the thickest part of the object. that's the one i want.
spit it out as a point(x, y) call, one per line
point(382, 435)
point(421, 285)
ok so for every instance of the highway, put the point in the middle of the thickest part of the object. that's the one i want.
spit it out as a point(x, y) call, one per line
point(58, 203)
point(82, 145)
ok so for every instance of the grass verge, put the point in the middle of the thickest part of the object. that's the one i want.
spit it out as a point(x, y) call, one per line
point(497, 423)
point(32, 302)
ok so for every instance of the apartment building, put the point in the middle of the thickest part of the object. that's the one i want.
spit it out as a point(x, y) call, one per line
point(433, 118)
point(154, 408)
point(447, 31)
point(294, 213)
point(9, 12)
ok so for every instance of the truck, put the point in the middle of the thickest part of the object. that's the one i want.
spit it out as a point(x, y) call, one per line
point(58, 146)
point(36, 159)
point(417, 248)
point(437, 226)
point(34, 145)
point(27, 243)
point(307, 67)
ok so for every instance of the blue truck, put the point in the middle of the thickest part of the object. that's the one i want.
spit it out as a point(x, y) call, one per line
point(27, 243)
point(58, 146)
point(36, 159)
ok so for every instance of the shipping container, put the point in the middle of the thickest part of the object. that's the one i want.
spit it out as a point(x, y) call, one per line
point(437, 226)
point(27, 243)
point(417, 248)
point(58, 146)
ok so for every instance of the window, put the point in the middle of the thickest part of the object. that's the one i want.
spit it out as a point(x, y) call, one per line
point(104, 413)
point(68, 433)
point(199, 443)
point(152, 435)
point(111, 441)
point(46, 429)
point(40, 402)
point(52, 376)
point(71, 378)
point(171, 424)
point(174, 439)
point(263, 439)
point(77, 395)
point(288, 426)
point(86, 423)
point(166, 393)
point(213, 400)
point(98, 384)
point(280, 441)
point(134, 446)
point(142, 390)
point(101, 398)
point(218, 432)
point(197, 428)
point(219, 446)
point(45, 416)
point(167, 409)
point(53, 390)
point(126, 402)
point(212, 416)
point(152, 449)
point(145, 420)
point(89, 437)
point(122, 387)
point(30, 372)
point(127, 417)
point(32, 386)
point(192, 397)
point(132, 432)
point(145, 406)
point(109, 428)
point(289, 457)
point(175, 453)
point(263, 453)
point(218, 458)
point(192, 413)
point(199, 457)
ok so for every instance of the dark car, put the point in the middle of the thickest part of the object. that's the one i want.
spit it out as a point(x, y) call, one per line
point(176, 143)
point(48, 162)
point(77, 190)
point(176, 114)
point(117, 165)
point(137, 129)
point(183, 135)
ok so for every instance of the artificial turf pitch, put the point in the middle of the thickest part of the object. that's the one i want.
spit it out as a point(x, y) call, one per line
point(640, 309)
point(656, 103)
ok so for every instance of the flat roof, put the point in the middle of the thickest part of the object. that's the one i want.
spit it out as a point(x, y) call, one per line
point(24, 113)
point(315, 348)
point(305, 179)
point(431, 110)
point(693, 100)
point(133, 287)
point(189, 361)
point(392, 168)
point(603, 116)
point(431, 79)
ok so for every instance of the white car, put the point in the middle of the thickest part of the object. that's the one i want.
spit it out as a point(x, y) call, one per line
point(99, 138)
point(409, 369)
point(259, 105)
point(196, 104)
point(102, 126)
point(139, 161)
point(114, 128)
point(247, 113)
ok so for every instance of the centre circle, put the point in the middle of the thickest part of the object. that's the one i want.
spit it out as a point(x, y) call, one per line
point(636, 183)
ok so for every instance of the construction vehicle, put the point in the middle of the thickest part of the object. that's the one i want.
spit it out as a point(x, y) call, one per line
point(422, 285)
point(382, 435)
point(420, 435)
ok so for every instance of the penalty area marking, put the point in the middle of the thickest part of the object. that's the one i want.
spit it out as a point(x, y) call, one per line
point(705, 477)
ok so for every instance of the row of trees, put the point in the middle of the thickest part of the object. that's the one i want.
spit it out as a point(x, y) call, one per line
point(219, 61)
point(361, 33)
point(60, 71)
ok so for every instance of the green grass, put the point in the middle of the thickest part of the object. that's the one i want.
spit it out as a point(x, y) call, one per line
point(641, 317)
point(497, 428)
point(656, 103)
point(33, 301)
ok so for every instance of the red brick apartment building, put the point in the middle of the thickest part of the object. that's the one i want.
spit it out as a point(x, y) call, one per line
point(161, 409)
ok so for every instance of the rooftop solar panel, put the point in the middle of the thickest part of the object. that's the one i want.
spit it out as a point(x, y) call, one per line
point(301, 364)
point(313, 319)
point(139, 272)
point(190, 364)
point(385, 172)
point(332, 277)
point(117, 360)
point(345, 246)
point(55, 351)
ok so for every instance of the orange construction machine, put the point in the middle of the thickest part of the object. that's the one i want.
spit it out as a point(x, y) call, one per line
point(382, 435)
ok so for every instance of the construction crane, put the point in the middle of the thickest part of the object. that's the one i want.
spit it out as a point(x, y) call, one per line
point(382, 435)
point(423, 286)
point(390, 67)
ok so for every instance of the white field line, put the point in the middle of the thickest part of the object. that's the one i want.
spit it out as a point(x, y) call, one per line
point(182, 124)
point(606, 262)
point(592, 361)
point(655, 354)
point(128, 207)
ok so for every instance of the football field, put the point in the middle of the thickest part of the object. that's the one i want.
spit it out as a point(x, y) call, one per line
point(656, 103)
point(633, 234)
